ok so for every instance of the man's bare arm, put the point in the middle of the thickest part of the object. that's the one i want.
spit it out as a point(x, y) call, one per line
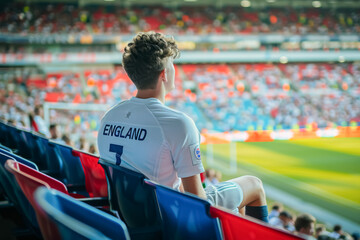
point(193, 185)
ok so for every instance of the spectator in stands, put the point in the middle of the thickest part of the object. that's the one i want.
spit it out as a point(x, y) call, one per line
point(66, 140)
point(283, 221)
point(40, 122)
point(275, 210)
point(54, 134)
point(355, 236)
point(162, 143)
point(218, 177)
point(305, 226)
point(210, 175)
point(92, 149)
point(337, 232)
point(321, 233)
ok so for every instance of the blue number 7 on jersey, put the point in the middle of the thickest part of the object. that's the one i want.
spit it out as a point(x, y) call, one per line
point(118, 149)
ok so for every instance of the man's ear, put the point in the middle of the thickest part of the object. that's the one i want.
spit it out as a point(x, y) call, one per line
point(163, 76)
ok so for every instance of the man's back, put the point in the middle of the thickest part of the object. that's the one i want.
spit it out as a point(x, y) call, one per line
point(146, 136)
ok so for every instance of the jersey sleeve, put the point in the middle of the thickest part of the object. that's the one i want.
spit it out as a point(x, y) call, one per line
point(185, 147)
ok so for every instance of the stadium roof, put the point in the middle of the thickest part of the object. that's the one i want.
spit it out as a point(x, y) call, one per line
point(217, 3)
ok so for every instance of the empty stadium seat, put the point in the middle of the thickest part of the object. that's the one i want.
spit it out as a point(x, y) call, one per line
point(134, 200)
point(95, 179)
point(236, 227)
point(10, 136)
point(53, 159)
point(185, 216)
point(72, 172)
point(15, 194)
point(76, 220)
point(29, 180)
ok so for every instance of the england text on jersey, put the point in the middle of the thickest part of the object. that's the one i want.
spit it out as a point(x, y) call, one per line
point(125, 132)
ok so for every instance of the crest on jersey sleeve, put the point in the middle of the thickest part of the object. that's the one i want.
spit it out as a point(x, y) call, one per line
point(195, 153)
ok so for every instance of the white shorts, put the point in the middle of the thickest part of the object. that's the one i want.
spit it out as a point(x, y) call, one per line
point(225, 194)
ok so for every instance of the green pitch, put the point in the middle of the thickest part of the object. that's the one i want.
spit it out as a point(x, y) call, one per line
point(323, 171)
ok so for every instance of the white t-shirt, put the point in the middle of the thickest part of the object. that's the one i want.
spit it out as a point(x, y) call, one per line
point(42, 126)
point(146, 136)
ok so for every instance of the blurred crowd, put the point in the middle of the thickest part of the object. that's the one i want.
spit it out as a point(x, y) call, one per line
point(270, 96)
point(218, 97)
point(63, 18)
point(305, 225)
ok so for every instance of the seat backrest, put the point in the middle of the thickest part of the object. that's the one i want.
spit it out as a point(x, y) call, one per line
point(94, 174)
point(71, 172)
point(28, 150)
point(11, 134)
point(16, 195)
point(29, 180)
point(5, 148)
point(185, 216)
point(238, 227)
point(76, 220)
point(2, 133)
point(134, 200)
point(5, 178)
point(6, 185)
point(17, 158)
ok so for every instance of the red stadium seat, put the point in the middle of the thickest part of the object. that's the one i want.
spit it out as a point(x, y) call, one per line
point(95, 179)
point(237, 227)
point(29, 180)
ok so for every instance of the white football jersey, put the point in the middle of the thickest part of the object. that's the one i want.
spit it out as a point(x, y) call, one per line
point(146, 136)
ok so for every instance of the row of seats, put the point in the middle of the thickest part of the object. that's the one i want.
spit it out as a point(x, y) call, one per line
point(149, 210)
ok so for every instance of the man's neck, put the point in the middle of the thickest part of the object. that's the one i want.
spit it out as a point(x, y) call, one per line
point(151, 93)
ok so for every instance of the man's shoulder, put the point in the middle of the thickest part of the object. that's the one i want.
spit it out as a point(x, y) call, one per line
point(176, 117)
point(116, 107)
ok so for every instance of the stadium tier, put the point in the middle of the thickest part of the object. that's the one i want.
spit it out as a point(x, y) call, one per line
point(64, 18)
point(220, 97)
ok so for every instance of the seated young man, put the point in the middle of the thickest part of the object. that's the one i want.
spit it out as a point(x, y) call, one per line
point(144, 135)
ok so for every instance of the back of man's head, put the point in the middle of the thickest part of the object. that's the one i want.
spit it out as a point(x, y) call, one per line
point(337, 228)
point(37, 110)
point(285, 214)
point(277, 207)
point(143, 58)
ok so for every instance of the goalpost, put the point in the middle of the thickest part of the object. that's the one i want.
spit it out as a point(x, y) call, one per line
point(72, 106)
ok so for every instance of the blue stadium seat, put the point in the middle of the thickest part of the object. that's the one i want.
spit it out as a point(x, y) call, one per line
point(26, 150)
point(185, 216)
point(53, 159)
point(134, 200)
point(2, 133)
point(72, 172)
point(12, 135)
point(76, 220)
point(5, 148)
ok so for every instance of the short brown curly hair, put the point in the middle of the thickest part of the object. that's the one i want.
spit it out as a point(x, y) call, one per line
point(143, 57)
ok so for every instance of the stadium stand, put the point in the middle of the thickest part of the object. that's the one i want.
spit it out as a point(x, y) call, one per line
point(50, 18)
point(261, 96)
